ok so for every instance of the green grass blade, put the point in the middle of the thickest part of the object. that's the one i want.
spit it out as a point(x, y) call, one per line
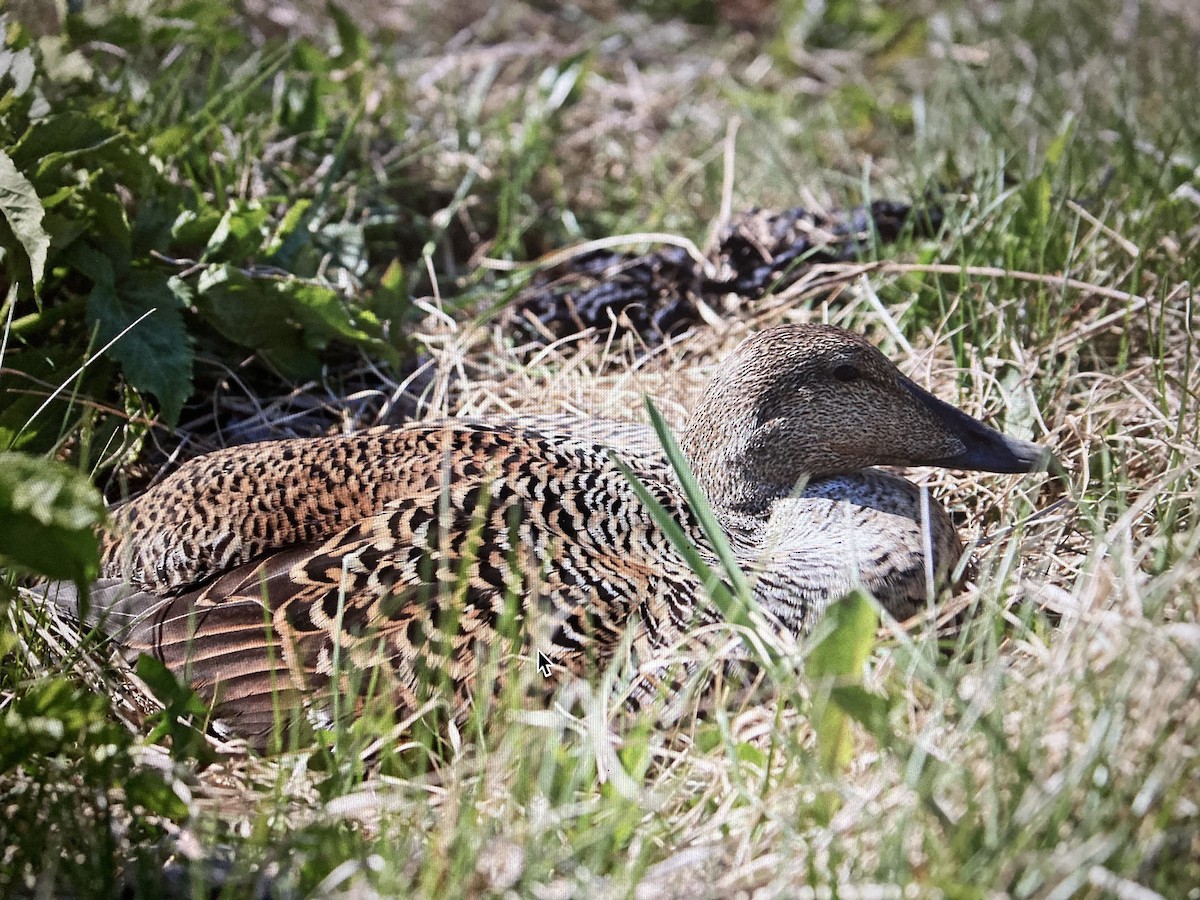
point(699, 503)
point(739, 609)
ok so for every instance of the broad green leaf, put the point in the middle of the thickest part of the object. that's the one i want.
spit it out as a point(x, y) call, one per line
point(194, 228)
point(322, 314)
point(635, 754)
point(708, 736)
point(63, 230)
point(287, 320)
point(149, 790)
point(291, 233)
point(254, 313)
point(167, 688)
point(869, 710)
point(21, 207)
point(220, 234)
point(355, 47)
point(48, 516)
point(61, 138)
point(847, 636)
point(747, 752)
point(182, 712)
point(391, 305)
point(144, 316)
point(393, 279)
point(238, 234)
point(111, 220)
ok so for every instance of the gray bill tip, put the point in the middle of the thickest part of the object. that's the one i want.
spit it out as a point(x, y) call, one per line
point(1000, 454)
point(984, 448)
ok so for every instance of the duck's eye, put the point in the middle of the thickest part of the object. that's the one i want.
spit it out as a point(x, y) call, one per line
point(846, 372)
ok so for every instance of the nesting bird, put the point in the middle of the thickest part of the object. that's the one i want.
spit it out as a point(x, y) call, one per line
point(261, 574)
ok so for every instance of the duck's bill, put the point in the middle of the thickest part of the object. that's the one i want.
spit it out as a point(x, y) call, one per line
point(984, 449)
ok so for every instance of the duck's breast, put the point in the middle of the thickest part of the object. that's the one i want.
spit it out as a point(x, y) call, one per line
point(868, 529)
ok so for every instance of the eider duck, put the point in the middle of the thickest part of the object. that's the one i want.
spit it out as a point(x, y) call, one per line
point(257, 572)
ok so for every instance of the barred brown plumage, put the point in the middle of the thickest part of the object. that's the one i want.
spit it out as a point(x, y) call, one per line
point(403, 551)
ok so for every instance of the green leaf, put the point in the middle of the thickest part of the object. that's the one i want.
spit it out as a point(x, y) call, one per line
point(869, 710)
point(849, 627)
point(837, 659)
point(48, 516)
point(239, 232)
point(182, 708)
point(287, 320)
point(193, 227)
point(23, 210)
point(111, 221)
point(53, 715)
point(250, 313)
point(322, 314)
point(149, 790)
point(708, 736)
point(63, 137)
point(635, 754)
point(355, 46)
point(717, 590)
point(142, 315)
point(748, 753)
point(291, 234)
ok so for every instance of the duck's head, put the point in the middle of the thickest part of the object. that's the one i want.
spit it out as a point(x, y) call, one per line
point(807, 401)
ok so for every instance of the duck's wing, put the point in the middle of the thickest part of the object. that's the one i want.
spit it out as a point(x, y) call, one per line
point(227, 508)
point(635, 443)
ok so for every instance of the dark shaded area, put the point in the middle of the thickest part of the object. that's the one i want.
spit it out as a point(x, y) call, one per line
point(657, 294)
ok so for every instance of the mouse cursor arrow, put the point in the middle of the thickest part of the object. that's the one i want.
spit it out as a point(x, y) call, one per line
point(543, 664)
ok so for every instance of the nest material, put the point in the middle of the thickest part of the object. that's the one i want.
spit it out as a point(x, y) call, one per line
point(658, 294)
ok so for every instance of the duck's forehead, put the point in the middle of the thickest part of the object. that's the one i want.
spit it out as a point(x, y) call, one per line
point(807, 342)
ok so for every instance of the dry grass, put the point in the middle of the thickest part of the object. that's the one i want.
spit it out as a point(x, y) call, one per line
point(1045, 747)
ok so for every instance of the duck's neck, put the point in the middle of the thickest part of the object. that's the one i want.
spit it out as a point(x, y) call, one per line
point(725, 469)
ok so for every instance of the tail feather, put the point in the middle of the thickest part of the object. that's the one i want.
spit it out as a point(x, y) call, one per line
point(112, 605)
point(245, 681)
